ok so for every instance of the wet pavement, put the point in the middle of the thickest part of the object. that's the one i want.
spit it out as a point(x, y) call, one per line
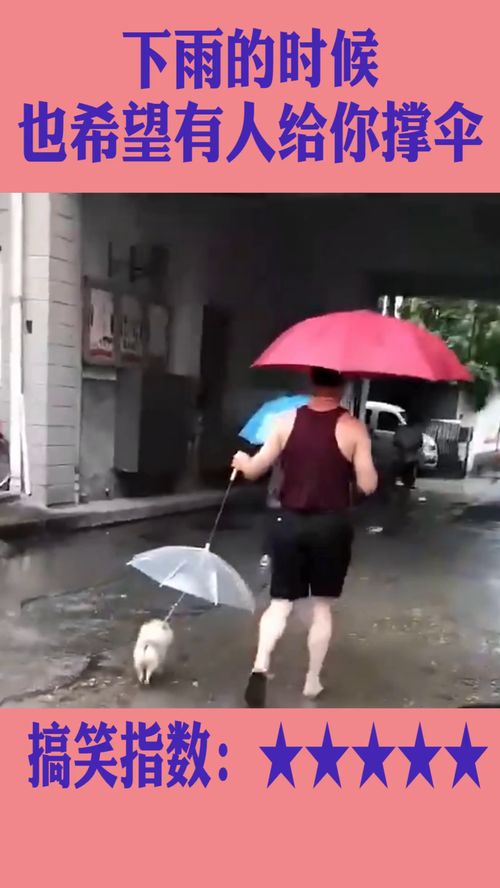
point(418, 625)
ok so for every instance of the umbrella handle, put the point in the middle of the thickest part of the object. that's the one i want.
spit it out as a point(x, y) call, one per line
point(174, 606)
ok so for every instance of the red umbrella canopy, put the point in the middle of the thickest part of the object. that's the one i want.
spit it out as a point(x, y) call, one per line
point(365, 344)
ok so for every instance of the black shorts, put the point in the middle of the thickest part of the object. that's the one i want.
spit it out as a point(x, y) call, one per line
point(311, 554)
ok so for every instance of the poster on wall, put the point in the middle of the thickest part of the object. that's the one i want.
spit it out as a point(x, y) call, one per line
point(131, 330)
point(157, 347)
point(100, 327)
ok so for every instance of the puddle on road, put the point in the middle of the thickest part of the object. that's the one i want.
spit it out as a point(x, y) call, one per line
point(57, 639)
point(112, 603)
point(480, 514)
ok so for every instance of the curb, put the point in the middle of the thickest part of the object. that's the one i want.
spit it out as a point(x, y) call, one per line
point(67, 519)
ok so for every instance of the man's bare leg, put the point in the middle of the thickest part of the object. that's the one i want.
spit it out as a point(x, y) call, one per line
point(318, 642)
point(272, 626)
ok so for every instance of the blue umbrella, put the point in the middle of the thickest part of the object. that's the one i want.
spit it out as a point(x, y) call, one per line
point(257, 429)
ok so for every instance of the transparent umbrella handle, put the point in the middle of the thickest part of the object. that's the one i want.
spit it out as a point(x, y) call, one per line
point(174, 606)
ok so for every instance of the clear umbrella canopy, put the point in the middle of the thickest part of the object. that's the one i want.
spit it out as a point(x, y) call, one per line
point(198, 572)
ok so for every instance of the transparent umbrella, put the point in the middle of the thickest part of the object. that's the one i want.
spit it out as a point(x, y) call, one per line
point(197, 571)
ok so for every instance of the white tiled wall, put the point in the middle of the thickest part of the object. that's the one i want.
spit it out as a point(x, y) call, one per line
point(52, 352)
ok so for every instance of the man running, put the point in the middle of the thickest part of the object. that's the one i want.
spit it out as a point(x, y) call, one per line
point(321, 448)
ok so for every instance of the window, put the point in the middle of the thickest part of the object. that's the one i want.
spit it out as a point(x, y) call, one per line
point(387, 422)
point(368, 417)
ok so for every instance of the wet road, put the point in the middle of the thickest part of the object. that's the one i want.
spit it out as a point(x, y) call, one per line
point(419, 623)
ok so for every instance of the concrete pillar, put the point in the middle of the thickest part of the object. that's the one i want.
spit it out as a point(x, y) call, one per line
point(186, 300)
point(52, 343)
point(186, 329)
point(186, 297)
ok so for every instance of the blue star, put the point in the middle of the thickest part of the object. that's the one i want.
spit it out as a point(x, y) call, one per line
point(420, 757)
point(373, 757)
point(281, 757)
point(327, 755)
point(466, 756)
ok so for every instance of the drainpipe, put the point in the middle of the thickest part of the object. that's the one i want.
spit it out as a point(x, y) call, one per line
point(24, 448)
point(16, 286)
point(398, 305)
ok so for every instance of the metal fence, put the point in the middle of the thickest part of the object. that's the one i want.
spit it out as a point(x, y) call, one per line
point(453, 443)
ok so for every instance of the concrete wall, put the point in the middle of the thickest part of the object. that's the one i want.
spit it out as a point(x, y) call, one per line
point(125, 221)
point(263, 271)
point(115, 219)
point(97, 442)
point(218, 254)
point(429, 234)
point(486, 430)
point(52, 342)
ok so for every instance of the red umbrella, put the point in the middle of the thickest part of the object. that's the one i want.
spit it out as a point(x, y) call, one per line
point(365, 344)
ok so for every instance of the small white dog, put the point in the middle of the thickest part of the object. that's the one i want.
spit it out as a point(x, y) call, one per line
point(151, 649)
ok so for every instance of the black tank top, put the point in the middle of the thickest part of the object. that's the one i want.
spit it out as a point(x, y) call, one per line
point(316, 475)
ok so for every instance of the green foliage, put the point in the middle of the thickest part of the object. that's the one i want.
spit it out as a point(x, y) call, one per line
point(471, 329)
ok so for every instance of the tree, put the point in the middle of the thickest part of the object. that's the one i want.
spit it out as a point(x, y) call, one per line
point(471, 329)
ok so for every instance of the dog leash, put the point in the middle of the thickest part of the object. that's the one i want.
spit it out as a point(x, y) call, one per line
point(221, 509)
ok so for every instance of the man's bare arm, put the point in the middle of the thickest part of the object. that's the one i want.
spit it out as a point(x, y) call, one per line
point(254, 467)
point(364, 470)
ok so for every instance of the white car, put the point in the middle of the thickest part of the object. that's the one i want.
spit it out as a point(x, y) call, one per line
point(383, 419)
